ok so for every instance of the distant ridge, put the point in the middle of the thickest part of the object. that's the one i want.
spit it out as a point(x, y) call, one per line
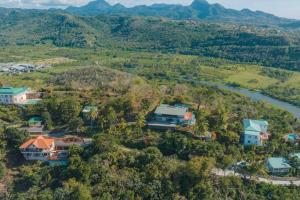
point(198, 10)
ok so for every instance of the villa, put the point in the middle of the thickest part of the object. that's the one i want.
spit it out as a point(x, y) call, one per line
point(50, 149)
point(278, 165)
point(169, 117)
point(9, 95)
point(39, 148)
point(255, 132)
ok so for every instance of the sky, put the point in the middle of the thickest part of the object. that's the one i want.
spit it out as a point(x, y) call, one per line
point(283, 8)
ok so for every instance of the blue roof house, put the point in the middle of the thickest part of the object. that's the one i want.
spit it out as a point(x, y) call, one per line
point(255, 132)
point(278, 165)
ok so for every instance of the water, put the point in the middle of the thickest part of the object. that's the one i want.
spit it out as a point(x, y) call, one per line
point(257, 96)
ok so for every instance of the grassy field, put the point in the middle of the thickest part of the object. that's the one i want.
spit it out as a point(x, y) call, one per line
point(156, 66)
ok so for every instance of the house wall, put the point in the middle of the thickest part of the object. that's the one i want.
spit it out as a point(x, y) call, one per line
point(19, 99)
point(169, 119)
point(252, 140)
point(13, 99)
point(33, 153)
point(277, 170)
point(6, 99)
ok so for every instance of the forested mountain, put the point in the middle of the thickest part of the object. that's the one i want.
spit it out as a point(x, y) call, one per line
point(199, 10)
point(267, 46)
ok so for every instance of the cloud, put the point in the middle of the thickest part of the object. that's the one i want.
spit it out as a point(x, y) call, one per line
point(41, 3)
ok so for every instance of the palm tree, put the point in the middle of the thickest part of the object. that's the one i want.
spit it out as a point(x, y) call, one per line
point(93, 115)
point(102, 121)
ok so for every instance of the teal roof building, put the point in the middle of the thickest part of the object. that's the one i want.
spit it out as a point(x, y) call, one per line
point(12, 91)
point(277, 165)
point(10, 95)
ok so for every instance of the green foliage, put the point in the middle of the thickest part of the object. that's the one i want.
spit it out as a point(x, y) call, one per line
point(2, 170)
point(278, 74)
point(15, 137)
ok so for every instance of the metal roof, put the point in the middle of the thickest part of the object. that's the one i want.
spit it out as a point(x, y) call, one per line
point(254, 133)
point(254, 125)
point(165, 109)
point(278, 163)
point(11, 90)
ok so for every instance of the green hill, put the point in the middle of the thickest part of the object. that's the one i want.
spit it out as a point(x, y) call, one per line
point(267, 46)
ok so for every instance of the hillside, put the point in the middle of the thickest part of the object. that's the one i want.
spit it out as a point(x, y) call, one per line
point(267, 46)
point(198, 10)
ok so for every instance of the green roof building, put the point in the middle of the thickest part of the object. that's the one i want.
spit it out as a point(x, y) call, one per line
point(278, 165)
point(10, 95)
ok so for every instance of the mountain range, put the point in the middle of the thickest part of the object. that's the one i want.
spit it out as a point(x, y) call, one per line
point(198, 10)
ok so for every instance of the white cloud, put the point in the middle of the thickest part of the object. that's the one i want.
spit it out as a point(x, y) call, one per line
point(65, 3)
point(41, 3)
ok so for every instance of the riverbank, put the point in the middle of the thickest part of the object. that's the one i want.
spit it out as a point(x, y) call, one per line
point(258, 96)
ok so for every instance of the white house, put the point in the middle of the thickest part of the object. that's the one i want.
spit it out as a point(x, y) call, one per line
point(9, 95)
point(51, 149)
point(255, 132)
point(39, 148)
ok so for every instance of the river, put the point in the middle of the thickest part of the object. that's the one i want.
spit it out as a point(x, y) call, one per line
point(257, 96)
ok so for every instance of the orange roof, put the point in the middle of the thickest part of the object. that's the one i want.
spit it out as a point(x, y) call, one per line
point(40, 142)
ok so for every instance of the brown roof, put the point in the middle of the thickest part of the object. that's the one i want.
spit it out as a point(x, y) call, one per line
point(40, 142)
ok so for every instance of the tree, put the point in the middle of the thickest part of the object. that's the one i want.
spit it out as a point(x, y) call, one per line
point(140, 123)
point(75, 124)
point(295, 163)
point(2, 170)
point(222, 117)
point(198, 97)
point(93, 115)
point(102, 121)
point(202, 125)
point(227, 162)
point(78, 169)
point(200, 167)
point(122, 126)
point(111, 116)
point(48, 124)
point(69, 109)
point(15, 137)
point(76, 190)
point(229, 137)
